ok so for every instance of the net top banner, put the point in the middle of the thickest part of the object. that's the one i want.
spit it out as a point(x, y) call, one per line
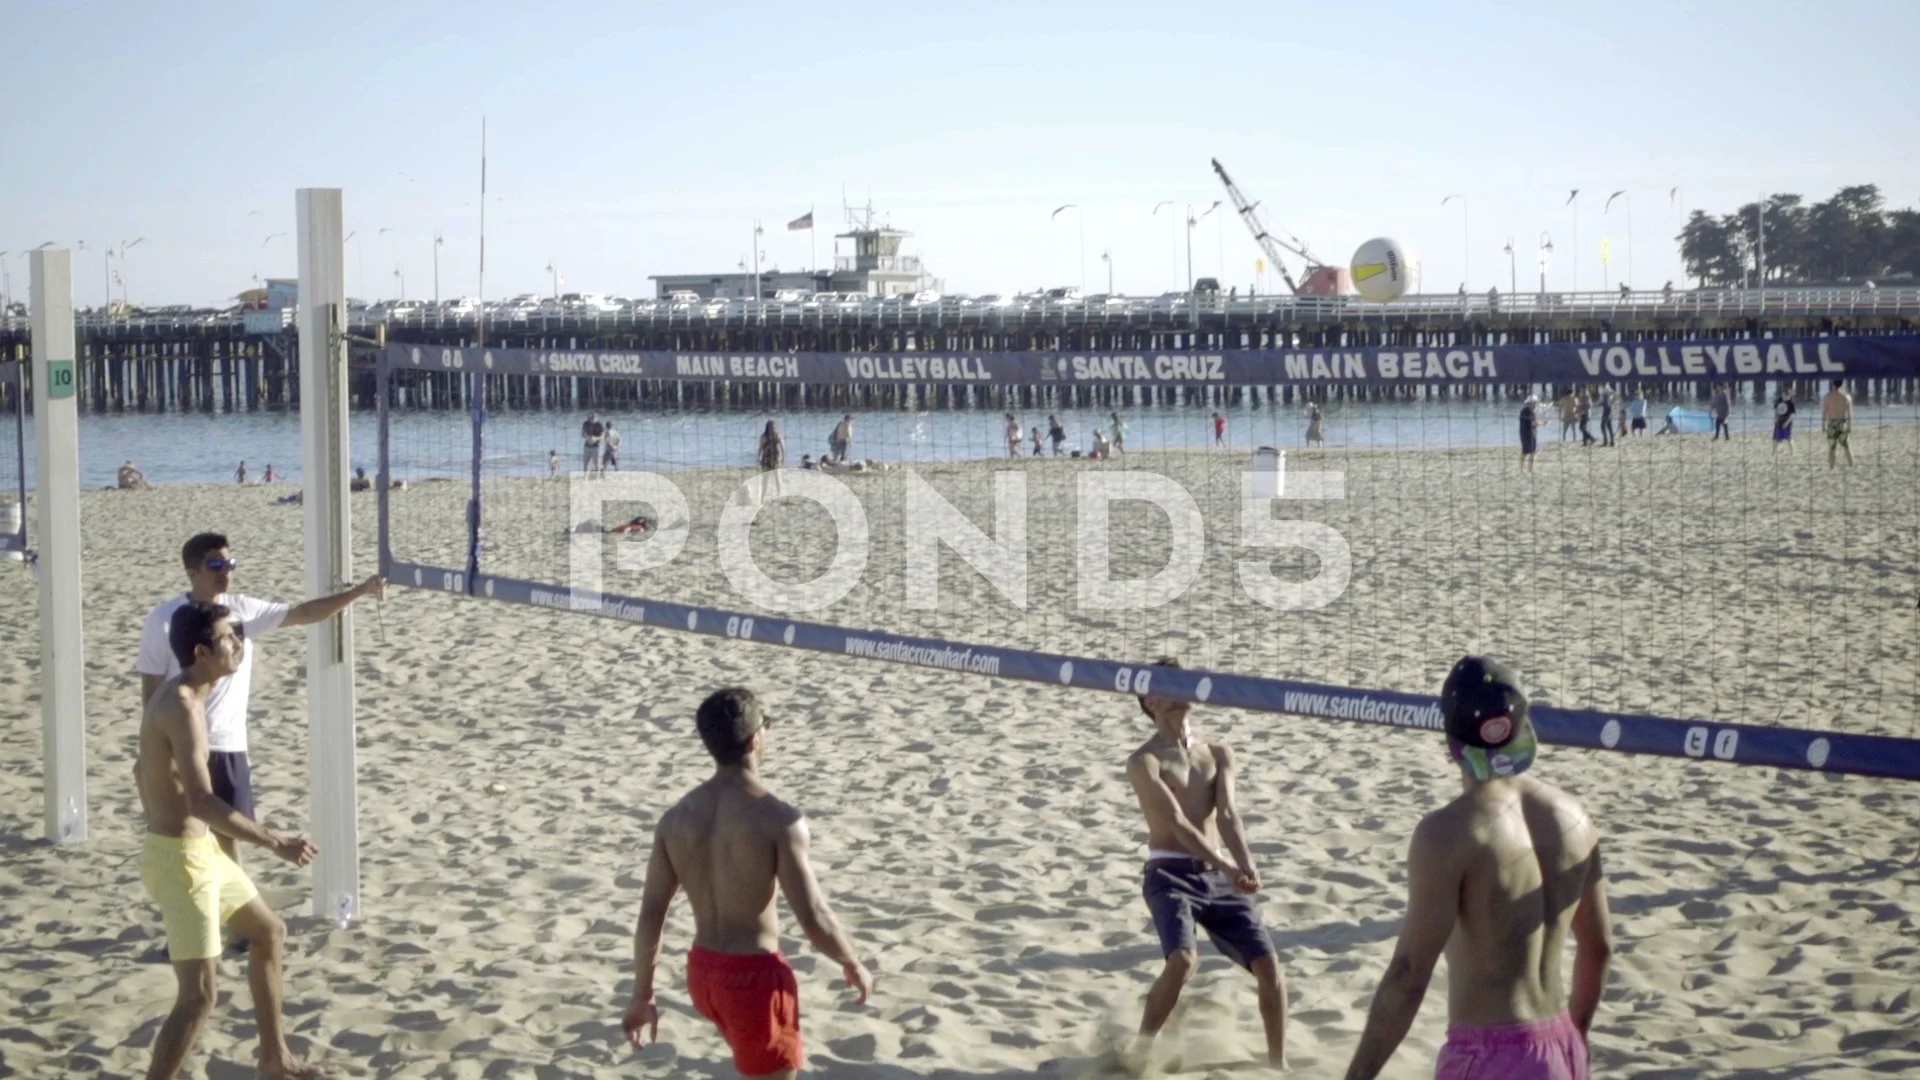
point(1802, 358)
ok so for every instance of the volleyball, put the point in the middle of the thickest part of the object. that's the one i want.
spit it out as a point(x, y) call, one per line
point(1380, 270)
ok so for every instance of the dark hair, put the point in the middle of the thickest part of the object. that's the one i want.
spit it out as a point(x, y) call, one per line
point(727, 721)
point(195, 551)
point(191, 627)
point(1163, 662)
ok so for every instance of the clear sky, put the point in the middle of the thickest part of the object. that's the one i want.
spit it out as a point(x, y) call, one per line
point(636, 139)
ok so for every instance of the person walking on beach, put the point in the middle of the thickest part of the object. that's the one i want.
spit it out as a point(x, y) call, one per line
point(1219, 430)
point(1530, 424)
point(591, 435)
point(1606, 416)
point(1056, 433)
point(1119, 434)
point(553, 464)
point(771, 457)
point(611, 458)
point(1014, 437)
point(1185, 786)
point(1637, 412)
point(1038, 442)
point(728, 842)
point(1722, 408)
point(210, 565)
point(197, 887)
point(1836, 415)
point(1783, 410)
point(840, 440)
point(1316, 420)
point(1497, 878)
point(1569, 416)
point(1583, 409)
point(240, 475)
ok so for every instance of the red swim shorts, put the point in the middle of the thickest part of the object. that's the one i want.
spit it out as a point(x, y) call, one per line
point(755, 1001)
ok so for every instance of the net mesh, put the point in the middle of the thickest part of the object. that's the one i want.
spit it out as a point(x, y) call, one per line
point(1739, 581)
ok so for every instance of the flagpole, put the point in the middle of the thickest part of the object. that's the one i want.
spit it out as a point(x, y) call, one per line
point(813, 248)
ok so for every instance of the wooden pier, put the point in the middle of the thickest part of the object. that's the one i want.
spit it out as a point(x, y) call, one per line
point(214, 365)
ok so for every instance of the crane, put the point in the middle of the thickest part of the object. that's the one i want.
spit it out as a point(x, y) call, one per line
point(1270, 244)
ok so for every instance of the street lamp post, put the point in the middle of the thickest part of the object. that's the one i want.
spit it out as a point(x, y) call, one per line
point(554, 272)
point(1546, 250)
point(1107, 257)
point(438, 240)
point(1573, 200)
point(1173, 233)
point(402, 278)
point(1513, 274)
point(1191, 223)
point(1628, 280)
point(1081, 216)
point(1466, 257)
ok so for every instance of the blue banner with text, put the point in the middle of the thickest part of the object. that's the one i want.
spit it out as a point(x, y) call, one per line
point(1798, 358)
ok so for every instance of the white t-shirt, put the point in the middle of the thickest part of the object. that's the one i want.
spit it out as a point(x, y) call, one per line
point(227, 702)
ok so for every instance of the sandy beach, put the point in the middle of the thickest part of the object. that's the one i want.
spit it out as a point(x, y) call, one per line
point(978, 836)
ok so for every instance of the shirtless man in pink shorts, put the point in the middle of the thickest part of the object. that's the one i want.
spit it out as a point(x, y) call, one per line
point(1496, 878)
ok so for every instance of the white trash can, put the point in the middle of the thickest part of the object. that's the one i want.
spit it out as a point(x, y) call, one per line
point(1269, 473)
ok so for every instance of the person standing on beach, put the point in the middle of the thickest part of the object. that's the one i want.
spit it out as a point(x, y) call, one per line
point(1219, 430)
point(729, 842)
point(840, 440)
point(1583, 408)
point(1038, 442)
point(270, 476)
point(553, 464)
point(1606, 416)
point(1722, 408)
point(591, 435)
point(240, 475)
point(1316, 419)
point(1530, 423)
point(197, 887)
point(1783, 410)
point(1637, 412)
point(772, 457)
point(1013, 435)
point(1497, 878)
point(1119, 434)
point(1836, 414)
point(1569, 416)
point(611, 459)
point(1185, 786)
point(1056, 433)
point(210, 564)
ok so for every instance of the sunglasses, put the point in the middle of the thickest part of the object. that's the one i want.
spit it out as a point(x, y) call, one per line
point(221, 566)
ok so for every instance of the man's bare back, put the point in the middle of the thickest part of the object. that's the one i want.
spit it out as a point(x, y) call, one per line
point(1525, 851)
point(724, 841)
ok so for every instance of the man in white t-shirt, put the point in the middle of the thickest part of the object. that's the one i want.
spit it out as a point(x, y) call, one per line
point(210, 565)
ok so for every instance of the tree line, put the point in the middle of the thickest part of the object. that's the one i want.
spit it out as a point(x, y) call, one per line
point(1849, 239)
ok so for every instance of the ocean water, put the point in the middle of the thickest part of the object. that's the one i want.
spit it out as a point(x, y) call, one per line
point(207, 448)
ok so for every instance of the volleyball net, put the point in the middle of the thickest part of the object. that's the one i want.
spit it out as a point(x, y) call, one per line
point(13, 458)
point(1311, 533)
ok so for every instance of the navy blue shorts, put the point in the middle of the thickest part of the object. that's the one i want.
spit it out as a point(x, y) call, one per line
point(233, 779)
point(1183, 893)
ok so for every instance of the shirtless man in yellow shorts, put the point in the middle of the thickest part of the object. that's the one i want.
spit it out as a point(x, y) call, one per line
point(196, 885)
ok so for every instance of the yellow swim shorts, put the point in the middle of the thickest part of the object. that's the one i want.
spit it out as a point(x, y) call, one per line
point(198, 889)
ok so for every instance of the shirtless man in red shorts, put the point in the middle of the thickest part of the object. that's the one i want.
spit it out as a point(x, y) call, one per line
point(728, 842)
point(1497, 879)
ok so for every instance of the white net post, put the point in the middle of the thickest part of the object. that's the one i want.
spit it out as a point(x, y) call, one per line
point(62, 656)
point(324, 472)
